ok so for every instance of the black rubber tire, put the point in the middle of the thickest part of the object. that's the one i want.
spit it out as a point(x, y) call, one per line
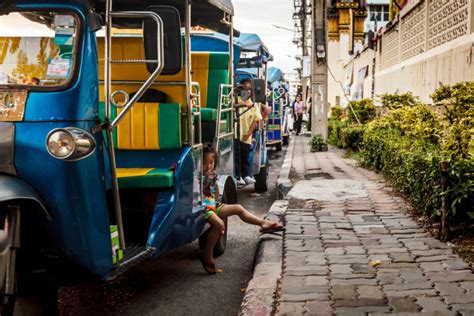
point(279, 147)
point(230, 197)
point(37, 292)
point(286, 140)
point(261, 184)
point(219, 249)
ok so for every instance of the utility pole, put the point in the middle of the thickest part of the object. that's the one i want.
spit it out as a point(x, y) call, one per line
point(304, 81)
point(319, 70)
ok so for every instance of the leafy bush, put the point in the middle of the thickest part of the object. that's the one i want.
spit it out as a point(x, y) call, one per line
point(408, 144)
point(352, 137)
point(335, 128)
point(396, 100)
point(317, 144)
point(337, 112)
point(364, 109)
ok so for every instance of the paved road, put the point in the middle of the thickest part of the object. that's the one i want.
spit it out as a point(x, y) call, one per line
point(176, 284)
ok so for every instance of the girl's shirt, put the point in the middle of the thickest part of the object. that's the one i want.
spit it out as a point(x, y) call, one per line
point(209, 190)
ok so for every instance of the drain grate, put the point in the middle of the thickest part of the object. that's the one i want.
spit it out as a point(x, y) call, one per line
point(322, 175)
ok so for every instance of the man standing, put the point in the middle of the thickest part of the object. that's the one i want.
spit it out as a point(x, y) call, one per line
point(249, 117)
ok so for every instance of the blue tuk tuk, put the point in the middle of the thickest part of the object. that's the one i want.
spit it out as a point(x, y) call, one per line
point(277, 133)
point(102, 124)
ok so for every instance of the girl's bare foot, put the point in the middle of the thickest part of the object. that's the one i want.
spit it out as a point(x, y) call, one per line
point(271, 227)
point(208, 266)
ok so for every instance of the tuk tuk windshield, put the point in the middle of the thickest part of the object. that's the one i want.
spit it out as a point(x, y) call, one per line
point(37, 49)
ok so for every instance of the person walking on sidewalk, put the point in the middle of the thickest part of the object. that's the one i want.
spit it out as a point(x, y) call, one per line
point(299, 109)
point(250, 116)
point(216, 212)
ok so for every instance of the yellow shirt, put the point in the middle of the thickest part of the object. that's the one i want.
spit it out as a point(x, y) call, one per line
point(246, 120)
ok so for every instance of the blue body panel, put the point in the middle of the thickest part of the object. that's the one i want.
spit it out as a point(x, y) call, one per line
point(75, 193)
point(214, 42)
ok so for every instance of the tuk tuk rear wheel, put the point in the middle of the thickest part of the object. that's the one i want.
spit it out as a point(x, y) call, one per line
point(261, 184)
point(219, 249)
point(286, 140)
point(278, 147)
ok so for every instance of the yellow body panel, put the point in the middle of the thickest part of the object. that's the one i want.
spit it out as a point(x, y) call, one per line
point(132, 172)
point(200, 73)
point(138, 129)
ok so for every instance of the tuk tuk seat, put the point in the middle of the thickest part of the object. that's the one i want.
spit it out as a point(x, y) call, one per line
point(210, 70)
point(148, 126)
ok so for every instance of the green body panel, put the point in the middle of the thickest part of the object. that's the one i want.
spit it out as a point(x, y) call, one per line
point(157, 178)
point(218, 74)
point(169, 126)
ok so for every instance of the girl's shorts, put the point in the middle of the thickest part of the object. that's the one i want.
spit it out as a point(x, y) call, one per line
point(209, 210)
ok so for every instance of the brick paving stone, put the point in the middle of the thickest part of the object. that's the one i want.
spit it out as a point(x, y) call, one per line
point(316, 280)
point(318, 308)
point(404, 305)
point(304, 297)
point(365, 291)
point(411, 293)
point(360, 302)
point(304, 289)
point(432, 305)
point(450, 289)
point(328, 246)
point(291, 308)
point(344, 292)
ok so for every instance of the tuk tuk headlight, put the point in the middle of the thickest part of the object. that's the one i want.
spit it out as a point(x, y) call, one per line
point(69, 143)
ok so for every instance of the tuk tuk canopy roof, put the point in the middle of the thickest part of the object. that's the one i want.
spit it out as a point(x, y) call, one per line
point(252, 43)
point(206, 13)
point(274, 74)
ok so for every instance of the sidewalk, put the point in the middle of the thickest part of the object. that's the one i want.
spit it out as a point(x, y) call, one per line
point(351, 249)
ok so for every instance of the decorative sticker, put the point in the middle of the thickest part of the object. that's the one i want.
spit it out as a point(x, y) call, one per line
point(64, 36)
point(64, 20)
point(59, 68)
point(12, 105)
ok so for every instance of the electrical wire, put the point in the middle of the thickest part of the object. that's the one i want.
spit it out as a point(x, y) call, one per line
point(343, 92)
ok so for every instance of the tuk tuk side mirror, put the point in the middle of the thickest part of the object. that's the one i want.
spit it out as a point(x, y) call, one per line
point(95, 21)
point(259, 89)
point(172, 39)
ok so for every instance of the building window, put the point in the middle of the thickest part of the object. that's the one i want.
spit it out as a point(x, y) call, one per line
point(378, 12)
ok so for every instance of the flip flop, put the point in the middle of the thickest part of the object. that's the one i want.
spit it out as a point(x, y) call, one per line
point(209, 268)
point(273, 229)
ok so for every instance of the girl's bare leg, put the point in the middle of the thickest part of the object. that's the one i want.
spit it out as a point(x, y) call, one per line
point(217, 228)
point(246, 216)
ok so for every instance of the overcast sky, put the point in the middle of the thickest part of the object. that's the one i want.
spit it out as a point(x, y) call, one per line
point(251, 16)
point(259, 16)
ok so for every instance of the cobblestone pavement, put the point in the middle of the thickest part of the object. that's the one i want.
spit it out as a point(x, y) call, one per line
point(363, 255)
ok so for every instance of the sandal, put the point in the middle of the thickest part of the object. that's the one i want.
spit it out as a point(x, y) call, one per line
point(210, 268)
point(276, 227)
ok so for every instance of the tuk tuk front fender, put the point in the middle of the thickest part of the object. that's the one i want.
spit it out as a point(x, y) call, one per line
point(15, 189)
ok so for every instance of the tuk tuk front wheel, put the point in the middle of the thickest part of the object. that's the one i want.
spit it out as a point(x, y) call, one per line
point(33, 293)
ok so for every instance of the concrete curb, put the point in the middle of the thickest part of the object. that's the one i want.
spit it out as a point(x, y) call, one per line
point(259, 299)
point(284, 183)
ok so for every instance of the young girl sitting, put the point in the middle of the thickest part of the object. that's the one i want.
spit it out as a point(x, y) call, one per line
point(216, 212)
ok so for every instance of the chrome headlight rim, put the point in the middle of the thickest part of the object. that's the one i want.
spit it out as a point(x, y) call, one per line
point(78, 136)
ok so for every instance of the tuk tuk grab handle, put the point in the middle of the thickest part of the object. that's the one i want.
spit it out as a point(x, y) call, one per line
point(159, 62)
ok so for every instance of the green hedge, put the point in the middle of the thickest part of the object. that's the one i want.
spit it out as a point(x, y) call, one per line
point(408, 144)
